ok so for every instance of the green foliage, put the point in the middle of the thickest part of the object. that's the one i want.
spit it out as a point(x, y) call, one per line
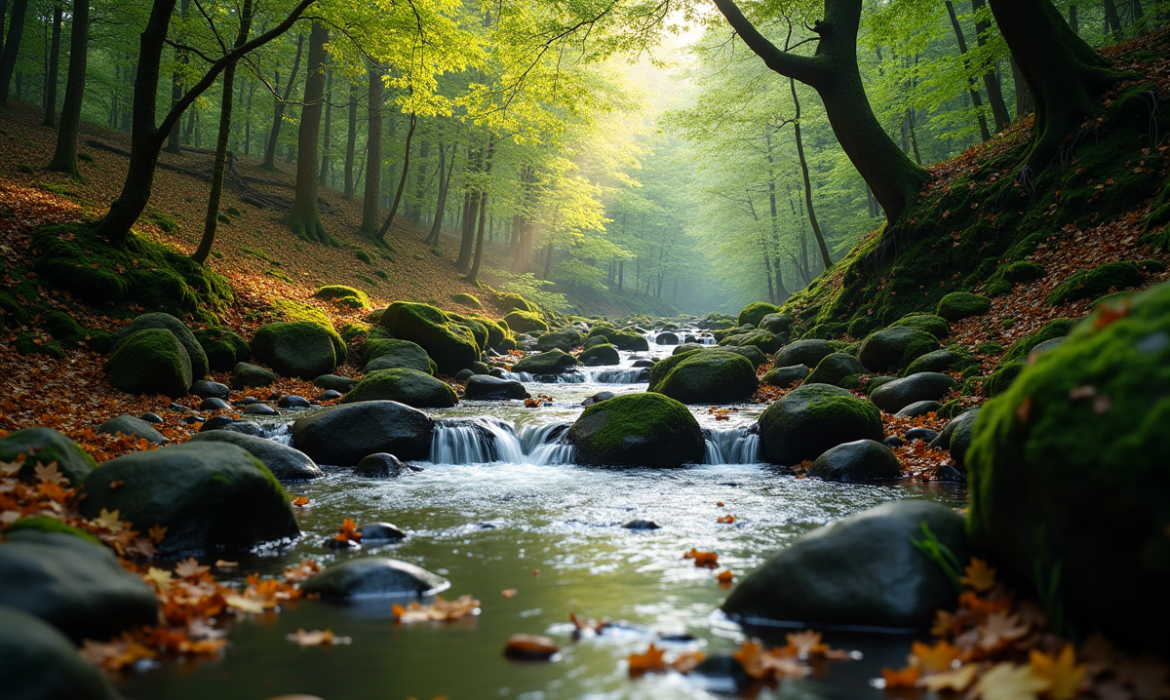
point(364, 257)
point(163, 220)
point(1057, 328)
point(940, 554)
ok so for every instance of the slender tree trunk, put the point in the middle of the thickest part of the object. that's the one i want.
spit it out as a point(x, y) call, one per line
point(414, 205)
point(1065, 75)
point(305, 217)
point(54, 66)
point(351, 141)
point(65, 156)
point(401, 181)
point(1112, 20)
point(471, 212)
point(327, 138)
point(833, 72)
point(808, 201)
point(548, 256)
point(278, 109)
point(999, 110)
point(3, 17)
point(1073, 23)
point(11, 48)
point(444, 188)
point(248, 120)
point(473, 277)
point(372, 195)
point(972, 86)
point(173, 139)
point(211, 221)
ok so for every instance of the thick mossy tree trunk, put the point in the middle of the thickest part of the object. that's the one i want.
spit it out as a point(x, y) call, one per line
point(1064, 74)
point(65, 157)
point(54, 66)
point(279, 102)
point(305, 216)
point(372, 197)
point(833, 72)
point(381, 238)
point(211, 221)
point(11, 48)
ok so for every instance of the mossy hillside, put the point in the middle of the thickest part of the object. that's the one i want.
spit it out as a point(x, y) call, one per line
point(346, 296)
point(223, 347)
point(451, 345)
point(944, 244)
point(714, 377)
point(753, 313)
point(1082, 483)
point(150, 361)
point(1090, 284)
point(144, 273)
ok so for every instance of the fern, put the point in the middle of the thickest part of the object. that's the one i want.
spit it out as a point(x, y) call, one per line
point(940, 554)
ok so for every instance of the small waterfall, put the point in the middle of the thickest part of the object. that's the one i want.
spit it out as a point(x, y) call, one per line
point(485, 440)
point(734, 446)
point(279, 432)
point(626, 375)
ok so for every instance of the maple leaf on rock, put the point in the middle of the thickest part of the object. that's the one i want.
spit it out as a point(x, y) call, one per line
point(50, 474)
point(109, 521)
point(979, 576)
point(1061, 670)
point(1007, 681)
point(958, 680)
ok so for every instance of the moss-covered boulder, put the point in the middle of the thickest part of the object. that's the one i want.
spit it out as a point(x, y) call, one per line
point(813, 418)
point(342, 436)
point(150, 361)
point(37, 662)
point(209, 497)
point(551, 362)
point(637, 430)
point(166, 322)
point(957, 306)
point(928, 323)
point(893, 396)
point(407, 386)
point(664, 367)
point(285, 463)
point(895, 348)
point(942, 360)
point(1002, 378)
point(714, 377)
point(601, 354)
point(246, 375)
point(753, 313)
point(862, 571)
point(957, 436)
point(298, 349)
point(499, 335)
point(392, 353)
point(803, 352)
point(512, 302)
point(565, 339)
point(223, 348)
point(526, 322)
point(1056, 328)
point(133, 427)
point(751, 352)
point(763, 340)
point(346, 296)
point(861, 461)
point(834, 368)
point(482, 387)
point(1090, 284)
point(72, 583)
point(43, 446)
point(785, 377)
point(451, 345)
point(630, 341)
point(469, 300)
point(1070, 474)
point(777, 324)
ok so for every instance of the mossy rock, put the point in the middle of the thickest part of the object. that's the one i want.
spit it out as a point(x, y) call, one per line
point(753, 313)
point(289, 310)
point(861, 326)
point(895, 348)
point(785, 377)
point(777, 324)
point(663, 367)
point(141, 273)
point(150, 361)
point(1003, 377)
point(943, 360)
point(1083, 484)
point(957, 306)
point(629, 341)
point(451, 345)
point(766, 342)
point(893, 396)
point(526, 322)
point(346, 296)
point(28, 343)
point(64, 328)
point(407, 386)
point(199, 361)
point(464, 299)
point(223, 347)
point(354, 331)
point(929, 323)
point(565, 339)
point(751, 352)
point(499, 335)
point(297, 349)
point(38, 662)
point(835, 368)
point(43, 446)
point(50, 524)
point(803, 352)
point(392, 353)
point(1023, 271)
point(812, 418)
point(515, 302)
point(827, 331)
point(1090, 284)
point(551, 362)
point(479, 331)
point(210, 497)
point(602, 354)
point(637, 430)
point(246, 375)
point(1056, 328)
point(714, 377)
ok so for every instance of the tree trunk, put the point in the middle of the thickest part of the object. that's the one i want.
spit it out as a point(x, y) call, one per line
point(1065, 75)
point(1112, 19)
point(548, 256)
point(414, 205)
point(351, 141)
point(305, 217)
point(11, 48)
point(54, 66)
point(211, 221)
point(833, 72)
point(65, 157)
point(1073, 23)
point(473, 277)
point(999, 110)
point(372, 195)
point(808, 201)
point(471, 213)
point(401, 182)
point(1025, 104)
point(327, 139)
point(173, 145)
point(972, 86)
point(278, 109)
point(444, 189)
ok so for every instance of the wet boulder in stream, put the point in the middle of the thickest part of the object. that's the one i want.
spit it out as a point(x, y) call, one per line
point(375, 577)
point(484, 387)
point(637, 430)
point(285, 463)
point(813, 418)
point(600, 354)
point(551, 362)
point(709, 377)
point(381, 465)
point(803, 352)
point(343, 435)
point(861, 461)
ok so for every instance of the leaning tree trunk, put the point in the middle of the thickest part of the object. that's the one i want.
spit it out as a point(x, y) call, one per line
point(972, 86)
point(470, 212)
point(808, 200)
point(441, 204)
point(11, 48)
point(54, 66)
point(305, 217)
point(278, 109)
point(833, 72)
point(211, 221)
point(401, 182)
point(1065, 75)
point(372, 198)
point(65, 157)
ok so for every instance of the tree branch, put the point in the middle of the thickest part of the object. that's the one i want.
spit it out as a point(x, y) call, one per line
point(807, 69)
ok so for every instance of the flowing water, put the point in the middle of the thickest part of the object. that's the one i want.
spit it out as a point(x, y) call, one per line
point(501, 505)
